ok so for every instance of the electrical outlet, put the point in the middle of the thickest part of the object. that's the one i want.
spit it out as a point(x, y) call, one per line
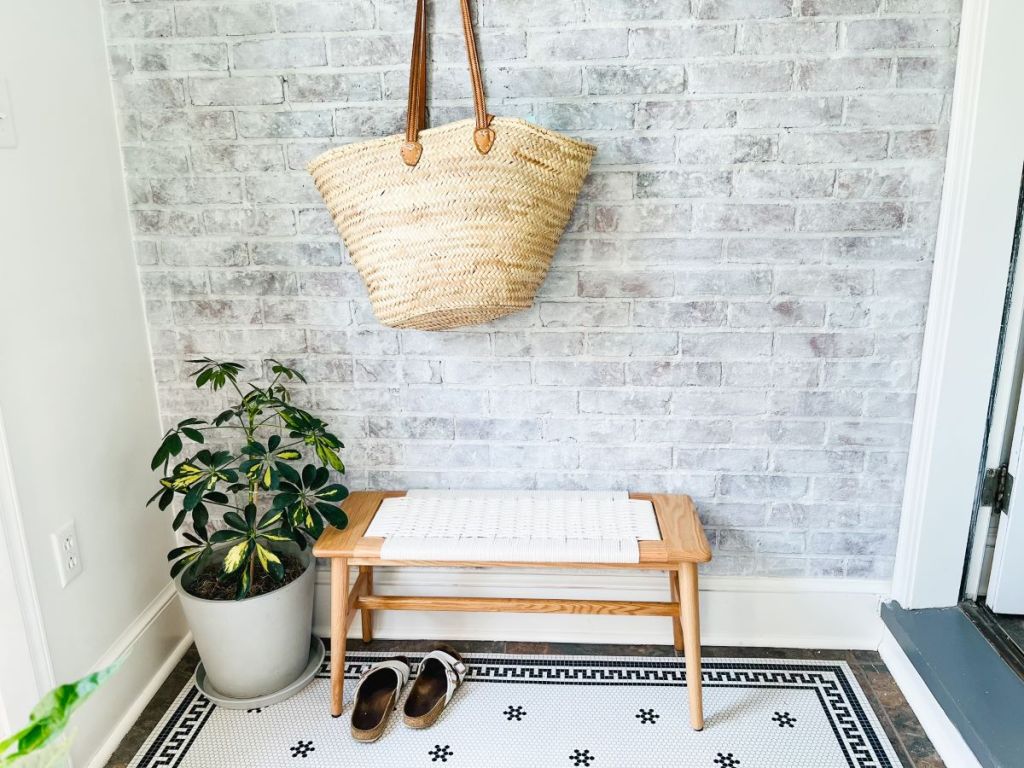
point(7, 136)
point(65, 547)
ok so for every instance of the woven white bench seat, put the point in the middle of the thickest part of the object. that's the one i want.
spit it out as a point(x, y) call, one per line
point(514, 526)
point(482, 529)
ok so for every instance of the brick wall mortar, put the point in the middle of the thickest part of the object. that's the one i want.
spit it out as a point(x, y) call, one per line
point(736, 310)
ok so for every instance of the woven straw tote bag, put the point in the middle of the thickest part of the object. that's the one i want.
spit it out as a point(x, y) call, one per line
point(454, 225)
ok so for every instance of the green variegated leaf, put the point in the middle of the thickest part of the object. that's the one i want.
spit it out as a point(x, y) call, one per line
point(177, 552)
point(244, 583)
point(269, 518)
point(186, 475)
point(184, 563)
point(329, 458)
point(315, 526)
point(270, 562)
point(225, 535)
point(334, 493)
point(236, 556)
point(280, 537)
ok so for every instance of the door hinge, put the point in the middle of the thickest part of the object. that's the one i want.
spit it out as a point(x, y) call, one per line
point(996, 491)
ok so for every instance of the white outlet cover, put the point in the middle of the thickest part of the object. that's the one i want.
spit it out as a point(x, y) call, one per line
point(8, 138)
point(65, 549)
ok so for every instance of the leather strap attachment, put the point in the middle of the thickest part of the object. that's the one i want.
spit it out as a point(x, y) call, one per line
point(455, 671)
point(415, 118)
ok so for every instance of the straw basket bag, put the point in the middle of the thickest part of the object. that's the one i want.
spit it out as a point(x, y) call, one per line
point(454, 225)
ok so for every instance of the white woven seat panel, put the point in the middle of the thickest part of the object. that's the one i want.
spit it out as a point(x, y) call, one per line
point(514, 526)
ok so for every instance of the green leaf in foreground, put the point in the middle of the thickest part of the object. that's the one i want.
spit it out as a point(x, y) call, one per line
point(50, 716)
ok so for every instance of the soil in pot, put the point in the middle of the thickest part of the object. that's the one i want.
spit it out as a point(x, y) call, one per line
point(208, 586)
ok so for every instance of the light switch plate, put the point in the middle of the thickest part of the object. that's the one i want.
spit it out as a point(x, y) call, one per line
point(8, 138)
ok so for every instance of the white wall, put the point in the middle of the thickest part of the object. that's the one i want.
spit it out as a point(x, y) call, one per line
point(77, 389)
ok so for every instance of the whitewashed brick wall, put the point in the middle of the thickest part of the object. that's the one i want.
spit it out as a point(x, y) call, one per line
point(735, 311)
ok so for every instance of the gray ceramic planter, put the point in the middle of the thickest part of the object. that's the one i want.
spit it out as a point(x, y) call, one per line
point(255, 646)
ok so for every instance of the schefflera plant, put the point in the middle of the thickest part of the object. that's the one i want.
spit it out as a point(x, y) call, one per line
point(270, 496)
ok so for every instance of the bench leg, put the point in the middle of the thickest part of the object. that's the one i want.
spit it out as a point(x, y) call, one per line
point(691, 635)
point(677, 627)
point(339, 626)
point(366, 615)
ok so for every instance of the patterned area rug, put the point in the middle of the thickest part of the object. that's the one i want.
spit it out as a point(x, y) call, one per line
point(540, 711)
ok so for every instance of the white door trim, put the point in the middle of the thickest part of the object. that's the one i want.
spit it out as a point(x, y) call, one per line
point(26, 672)
point(982, 181)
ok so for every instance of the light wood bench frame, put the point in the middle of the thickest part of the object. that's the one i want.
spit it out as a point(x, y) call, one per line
point(682, 546)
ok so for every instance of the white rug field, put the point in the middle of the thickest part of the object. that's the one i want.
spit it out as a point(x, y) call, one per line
point(539, 711)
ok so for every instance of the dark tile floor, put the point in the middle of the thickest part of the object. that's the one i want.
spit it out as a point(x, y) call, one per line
point(905, 732)
point(1013, 626)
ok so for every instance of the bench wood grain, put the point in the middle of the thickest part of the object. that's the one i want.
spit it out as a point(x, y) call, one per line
point(681, 548)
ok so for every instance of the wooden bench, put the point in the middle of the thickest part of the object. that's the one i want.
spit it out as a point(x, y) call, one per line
point(682, 546)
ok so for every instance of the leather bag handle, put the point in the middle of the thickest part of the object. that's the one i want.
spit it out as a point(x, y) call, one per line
point(415, 118)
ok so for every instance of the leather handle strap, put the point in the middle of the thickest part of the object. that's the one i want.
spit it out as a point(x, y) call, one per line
point(483, 136)
point(416, 106)
point(415, 119)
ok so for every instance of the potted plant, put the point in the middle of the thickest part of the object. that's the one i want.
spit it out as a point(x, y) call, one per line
point(246, 583)
point(43, 743)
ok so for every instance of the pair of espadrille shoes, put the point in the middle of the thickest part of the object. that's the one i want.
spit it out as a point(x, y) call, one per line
point(379, 689)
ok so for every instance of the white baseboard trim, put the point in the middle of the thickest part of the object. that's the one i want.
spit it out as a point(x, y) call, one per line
point(747, 611)
point(154, 643)
point(126, 641)
point(943, 734)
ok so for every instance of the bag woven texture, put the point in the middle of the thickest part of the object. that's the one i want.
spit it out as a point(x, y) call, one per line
point(454, 225)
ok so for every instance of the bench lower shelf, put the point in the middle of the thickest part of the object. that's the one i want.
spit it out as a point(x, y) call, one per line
point(516, 605)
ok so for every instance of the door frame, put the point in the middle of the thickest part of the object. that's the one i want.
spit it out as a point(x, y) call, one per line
point(26, 671)
point(971, 269)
